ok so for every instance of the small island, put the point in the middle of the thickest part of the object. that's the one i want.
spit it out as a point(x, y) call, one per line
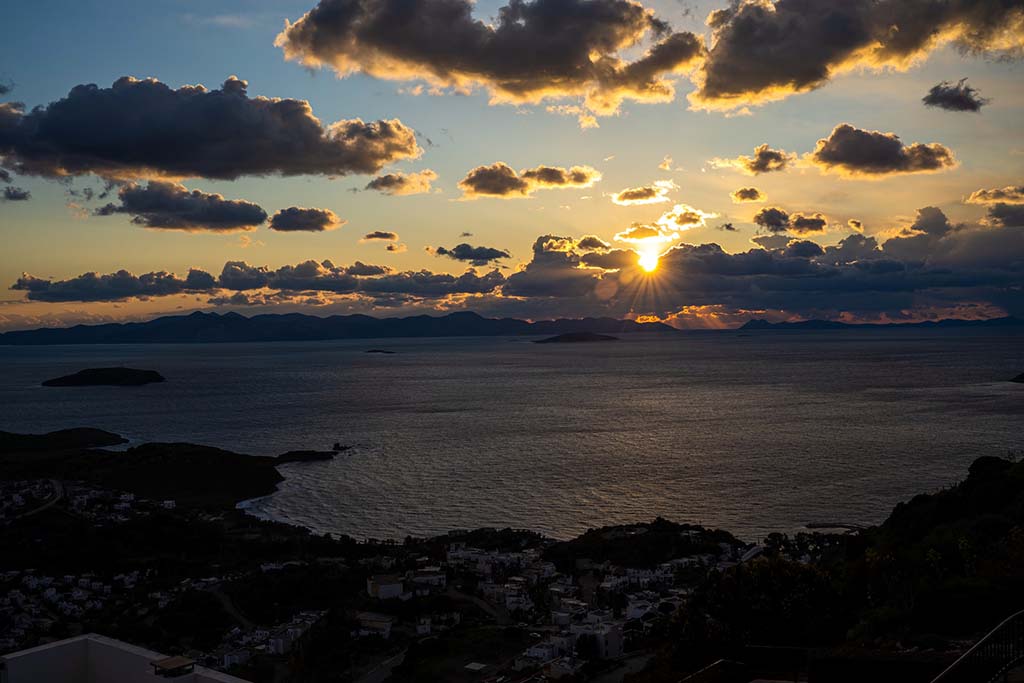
point(305, 456)
point(379, 351)
point(576, 338)
point(119, 377)
point(1019, 379)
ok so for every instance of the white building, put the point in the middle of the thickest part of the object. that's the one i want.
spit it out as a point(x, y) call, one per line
point(93, 658)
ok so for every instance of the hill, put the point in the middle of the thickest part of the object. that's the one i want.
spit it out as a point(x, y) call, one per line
point(759, 324)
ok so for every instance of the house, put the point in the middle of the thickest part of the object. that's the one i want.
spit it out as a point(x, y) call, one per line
point(385, 586)
point(373, 624)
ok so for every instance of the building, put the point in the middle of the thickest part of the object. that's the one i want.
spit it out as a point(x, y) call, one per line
point(385, 586)
point(373, 624)
point(93, 658)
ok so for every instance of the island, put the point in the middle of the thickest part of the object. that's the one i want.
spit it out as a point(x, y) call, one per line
point(119, 377)
point(576, 338)
point(306, 456)
point(1019, 379)
point(379, 351)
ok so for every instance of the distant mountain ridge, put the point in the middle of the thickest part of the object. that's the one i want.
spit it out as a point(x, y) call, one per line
point(201, 327)
point(759, 324)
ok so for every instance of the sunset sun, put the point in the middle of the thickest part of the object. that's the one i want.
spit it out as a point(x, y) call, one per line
point(648, 261)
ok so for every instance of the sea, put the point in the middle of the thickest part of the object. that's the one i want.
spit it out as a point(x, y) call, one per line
point(754, 432)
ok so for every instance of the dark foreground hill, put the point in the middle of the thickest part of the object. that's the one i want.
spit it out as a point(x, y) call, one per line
point(232, 327)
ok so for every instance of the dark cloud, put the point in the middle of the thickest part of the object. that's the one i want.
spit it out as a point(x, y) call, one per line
point(395, 247)
point(1000, 195)
point(297, 219)
point(554, 271)
point(501, 180)
point(477, 256)
point(799, 223)
point(592, 243)
point(774, 219)
point(143, 128)
point(765, 160)
point(955, 97)
point(6, 88)
point(403, 183)
point(728, 227)
point(15, 194)
point(535, 50)
point(5, 176)
point(852, 249)
point(1004, 215)
point(747, 194)
point(366, 269)
point(763, 51)
point(171, 206)
point(382, 235)
point(432, 285)
point(803, 249)
point(853, 152)
point(610, 260)
point(113, 287)
point(649, 194)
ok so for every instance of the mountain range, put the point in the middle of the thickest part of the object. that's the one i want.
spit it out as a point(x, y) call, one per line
point(200, 327)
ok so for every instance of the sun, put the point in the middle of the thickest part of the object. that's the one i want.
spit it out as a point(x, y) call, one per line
point(648, 261)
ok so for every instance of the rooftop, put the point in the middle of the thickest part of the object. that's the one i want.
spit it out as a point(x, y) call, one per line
point(93, 658)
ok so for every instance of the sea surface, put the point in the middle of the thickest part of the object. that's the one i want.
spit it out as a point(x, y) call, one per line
point(752, 432)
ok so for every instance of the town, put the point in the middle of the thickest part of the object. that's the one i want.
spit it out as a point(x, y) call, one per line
point(505, 604)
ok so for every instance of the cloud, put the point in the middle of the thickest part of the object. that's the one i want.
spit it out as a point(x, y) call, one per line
point(776, 220)
point(765, 160)
point(1001, 195)
point(170, 206)
point(853, 152)
point(763, 51)
point(1004, 215)
point(958, 97)
point(5, 176)
point(666, 163)
point(297, 219)
point(6, 88)
point(649, 194)
point(727, 227)
point(113, 287)
point(772, 242)
point(382, 235)
point(396, 248)
point(477, 256)
point(403, 183)
point(145, 129)
point(684, 217)
point(364, 269)
point(15, 194)
point(747, 194)
point(501, 180)
point(803, 249)
point(592, 243)
point(616, 259)
point(535, 50)
point(554, 271)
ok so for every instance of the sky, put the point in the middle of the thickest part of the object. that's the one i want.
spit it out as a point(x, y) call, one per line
point(700, 163)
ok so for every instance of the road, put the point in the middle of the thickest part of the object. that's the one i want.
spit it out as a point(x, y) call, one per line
point(58, 494)
point(500, 614)
point(382, 671)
